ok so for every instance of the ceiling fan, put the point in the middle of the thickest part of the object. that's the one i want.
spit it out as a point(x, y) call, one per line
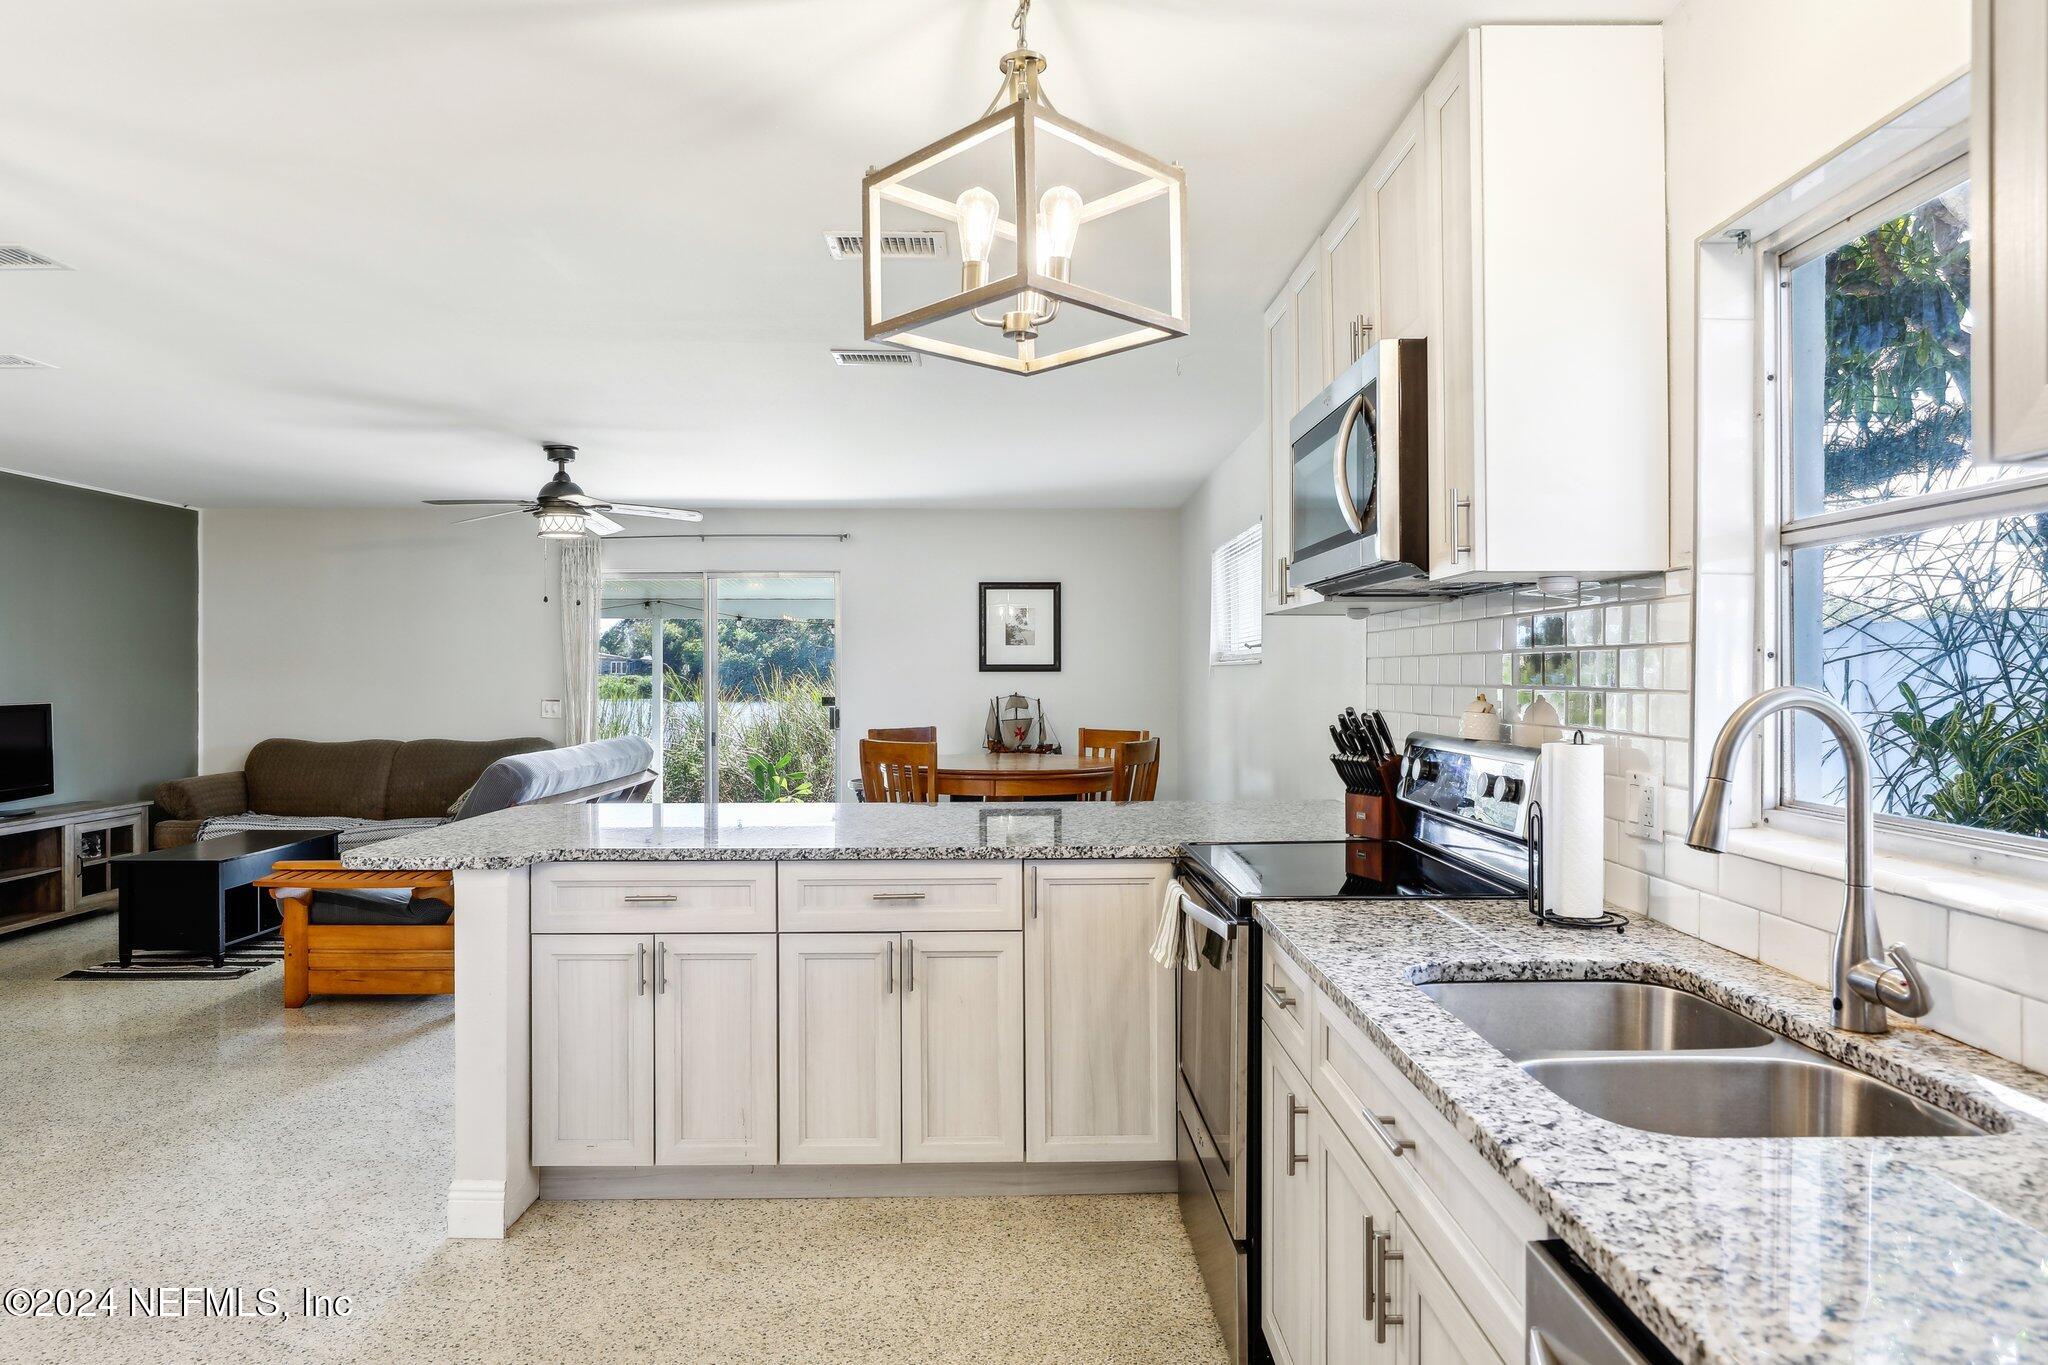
point(562, 510)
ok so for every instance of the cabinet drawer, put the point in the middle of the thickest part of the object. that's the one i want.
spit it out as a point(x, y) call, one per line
point(1477, 1227)
point(866, 897)
point(1287, 1002)
point(654, 898)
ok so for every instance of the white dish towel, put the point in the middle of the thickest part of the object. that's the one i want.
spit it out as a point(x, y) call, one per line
point(1174, 944)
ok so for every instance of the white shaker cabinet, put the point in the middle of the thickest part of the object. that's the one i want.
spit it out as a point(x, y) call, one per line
point(1396, 195)
point(1543, 169)
point(963, 1047)
point(1291, 1245)
point(1435, 1327)
point(1098, 1014)
point(1354, 1211)
point(593, 1043)
point(841, 1028)
point(714, 1049)
point(1347, 253)
point(2009, 187)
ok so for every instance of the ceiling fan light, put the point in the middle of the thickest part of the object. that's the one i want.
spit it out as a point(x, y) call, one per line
point(562, 525)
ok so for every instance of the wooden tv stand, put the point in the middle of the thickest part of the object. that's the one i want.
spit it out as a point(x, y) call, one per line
point(56, 861)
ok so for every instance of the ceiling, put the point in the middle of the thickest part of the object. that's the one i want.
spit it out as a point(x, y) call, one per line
point(362, 252)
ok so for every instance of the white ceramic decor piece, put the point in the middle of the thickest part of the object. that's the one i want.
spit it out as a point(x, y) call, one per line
point(1480, 721)
point(1538, 725)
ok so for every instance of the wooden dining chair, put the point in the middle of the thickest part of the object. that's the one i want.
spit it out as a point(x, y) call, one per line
point(908, 734)
point(1137, 770)
point(899, 771)
point(1097, 743)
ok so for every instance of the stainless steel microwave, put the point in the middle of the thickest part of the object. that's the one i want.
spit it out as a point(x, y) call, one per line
point(1360, 486)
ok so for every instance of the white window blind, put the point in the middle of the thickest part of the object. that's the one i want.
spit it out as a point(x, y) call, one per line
point(1235, 606)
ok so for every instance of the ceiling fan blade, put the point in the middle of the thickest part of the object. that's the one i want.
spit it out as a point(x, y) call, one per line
point(634, 509)
point(583, 498)
point(602, 524)
point(473, 502)
point(508, 512)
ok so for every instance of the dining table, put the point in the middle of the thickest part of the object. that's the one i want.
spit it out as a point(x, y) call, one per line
point(1022, 777)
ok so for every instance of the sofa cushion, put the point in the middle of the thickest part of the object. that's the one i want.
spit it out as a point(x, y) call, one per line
point(427, 775)
point(376, 905)
point(308, 777)
point(526, 778)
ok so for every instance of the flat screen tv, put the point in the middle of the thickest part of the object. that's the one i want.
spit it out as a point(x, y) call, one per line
point(26, 766)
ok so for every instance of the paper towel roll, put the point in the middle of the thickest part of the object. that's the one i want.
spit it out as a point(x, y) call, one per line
point(1573, 793)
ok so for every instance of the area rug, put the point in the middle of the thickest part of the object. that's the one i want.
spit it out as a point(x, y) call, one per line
point(177, 964)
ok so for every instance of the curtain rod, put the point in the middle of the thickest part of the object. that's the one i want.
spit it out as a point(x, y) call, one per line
point(737, 535)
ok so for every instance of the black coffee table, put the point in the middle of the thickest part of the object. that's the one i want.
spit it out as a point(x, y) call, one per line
point(198, 895)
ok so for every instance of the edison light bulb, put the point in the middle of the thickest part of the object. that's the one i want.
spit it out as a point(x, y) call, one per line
point(977, 209)
point(1059, 223)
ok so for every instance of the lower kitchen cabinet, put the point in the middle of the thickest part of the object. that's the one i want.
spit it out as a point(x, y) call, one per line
point(1098, 1014)
point(1290, 1216)
point(1355, 1213)
point(963, 1047)
point(593, 1050)
point(1436, 1328)
point(714, 1050)
point(841, 1065)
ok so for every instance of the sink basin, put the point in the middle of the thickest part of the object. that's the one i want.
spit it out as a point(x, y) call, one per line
point(1742, 1097)
point(1538, 1018)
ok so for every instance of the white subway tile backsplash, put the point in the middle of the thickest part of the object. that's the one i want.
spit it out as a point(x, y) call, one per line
point(2034, 1034)
point(1793, 947)
point(1675, 905)
point(1811, 900)
point(1750, 882)
point(1730, 925)
point(1980, 1015)
point(1692, 868)
point(1627, 889)
point(1925, 930)
point(1671, 619)
point(1992, 950)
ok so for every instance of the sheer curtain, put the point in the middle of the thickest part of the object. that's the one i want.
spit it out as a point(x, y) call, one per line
point(582, 592)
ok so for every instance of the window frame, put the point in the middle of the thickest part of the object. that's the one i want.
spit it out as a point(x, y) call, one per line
point(1248, 652)
point(1880, 198)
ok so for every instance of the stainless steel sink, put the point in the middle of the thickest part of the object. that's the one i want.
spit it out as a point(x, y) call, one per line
point(1667, 1061)
point(1742, 1097)
point(1541, 1018)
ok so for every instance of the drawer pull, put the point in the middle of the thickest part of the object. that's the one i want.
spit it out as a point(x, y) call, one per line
point(898, 896)
point(1295, 1110)
point(650, 900)
point(1282, 997)
point(1383, 1128)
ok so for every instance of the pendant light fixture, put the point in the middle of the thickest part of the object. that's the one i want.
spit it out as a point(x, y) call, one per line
point(1126, 222)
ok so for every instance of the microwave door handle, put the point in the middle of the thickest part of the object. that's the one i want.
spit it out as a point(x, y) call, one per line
point(1340, 466)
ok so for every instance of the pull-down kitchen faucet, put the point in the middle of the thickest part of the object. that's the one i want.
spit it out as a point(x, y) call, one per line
point(1864, 986)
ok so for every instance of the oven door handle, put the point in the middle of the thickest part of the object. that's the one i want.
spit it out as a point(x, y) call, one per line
point(1204, 916)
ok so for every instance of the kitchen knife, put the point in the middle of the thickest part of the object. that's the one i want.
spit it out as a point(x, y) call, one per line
point(1386, 733)
point(1360, 742)
point(1340, 739)
point(1371, 738)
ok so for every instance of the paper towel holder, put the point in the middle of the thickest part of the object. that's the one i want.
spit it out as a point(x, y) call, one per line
point(1607, 920)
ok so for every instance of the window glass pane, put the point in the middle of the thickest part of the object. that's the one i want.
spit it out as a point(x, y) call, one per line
point(1878, 363)
point(1937, 641)
point(654, 628)
point(778, 649)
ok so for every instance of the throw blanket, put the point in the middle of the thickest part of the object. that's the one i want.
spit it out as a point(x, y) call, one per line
point(354, 832)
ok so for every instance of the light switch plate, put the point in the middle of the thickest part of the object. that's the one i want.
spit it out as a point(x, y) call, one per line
point(551, 709)
point(1642, 818)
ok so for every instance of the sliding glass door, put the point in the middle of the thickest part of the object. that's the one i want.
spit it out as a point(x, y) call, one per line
point(771, 665)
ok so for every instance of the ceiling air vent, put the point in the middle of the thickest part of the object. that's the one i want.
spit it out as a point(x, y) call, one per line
point(847, 356)
point(928, 246)
point(22, 362)
point(21, 258)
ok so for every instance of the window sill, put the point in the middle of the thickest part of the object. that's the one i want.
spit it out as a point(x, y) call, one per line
point(2017, 900)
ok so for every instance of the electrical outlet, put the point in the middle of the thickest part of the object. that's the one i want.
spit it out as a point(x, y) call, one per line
point(551, 709)
point(1641, 817)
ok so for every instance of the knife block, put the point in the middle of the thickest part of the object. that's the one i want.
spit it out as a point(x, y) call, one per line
point(1377, 817)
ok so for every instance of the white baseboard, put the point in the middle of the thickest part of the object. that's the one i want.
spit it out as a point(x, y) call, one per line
point(485, 1208)
point(846, 1182)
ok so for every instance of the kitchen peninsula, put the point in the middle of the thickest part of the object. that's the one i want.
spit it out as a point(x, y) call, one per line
point(665, 1000)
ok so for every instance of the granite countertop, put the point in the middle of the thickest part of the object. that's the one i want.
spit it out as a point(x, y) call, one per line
point(623, 832)
point(1800, 1249)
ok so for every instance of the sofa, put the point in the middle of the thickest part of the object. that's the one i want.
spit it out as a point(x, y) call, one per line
point(364, 787)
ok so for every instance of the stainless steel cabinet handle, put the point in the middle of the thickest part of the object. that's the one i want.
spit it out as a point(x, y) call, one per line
point(909, 965)
point(897, 896)
point(1457, 504)
point(1372, 1295)
point(1282, 590)
point(1294, 1111)
point(1388, 1317)
point(650, 900)
point(889, 971)
point(1282, 997)
point(1364, 335)
point(661, 968)
point(1340, 465)
point(640, 952)
point(1383, 1128)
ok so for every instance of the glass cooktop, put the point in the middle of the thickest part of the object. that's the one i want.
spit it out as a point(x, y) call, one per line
point(1338, 869)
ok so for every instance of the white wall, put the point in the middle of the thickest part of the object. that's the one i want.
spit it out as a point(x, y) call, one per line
point(363, 624)
point(909, 645)
point(1257, 730)
point(343, 625)
point(1756, 91)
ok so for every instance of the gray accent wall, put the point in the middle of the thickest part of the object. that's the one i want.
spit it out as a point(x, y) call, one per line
point(99, 616)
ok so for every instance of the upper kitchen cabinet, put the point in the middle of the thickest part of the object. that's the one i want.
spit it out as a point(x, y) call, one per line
point(1348, 265)
point(2009, 181)
point(1294, 329)
point(1396, 194)
point(1543, 181)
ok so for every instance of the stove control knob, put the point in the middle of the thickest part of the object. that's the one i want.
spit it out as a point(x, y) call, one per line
point(1426, 769)
point(1490, 786)
point(1511, 789)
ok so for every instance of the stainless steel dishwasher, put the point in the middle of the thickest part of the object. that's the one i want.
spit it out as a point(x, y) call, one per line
point(1574, 1319)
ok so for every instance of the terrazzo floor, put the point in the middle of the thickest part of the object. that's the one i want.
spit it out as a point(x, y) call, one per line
point(182, 1133)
